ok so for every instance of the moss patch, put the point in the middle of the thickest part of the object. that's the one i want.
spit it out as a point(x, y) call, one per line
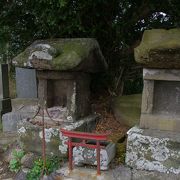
point(72, 55)
point(172, 163)
point(128, 109)
point(120, 152)
point(66, 54)
point(148, 155)
point(173, 145)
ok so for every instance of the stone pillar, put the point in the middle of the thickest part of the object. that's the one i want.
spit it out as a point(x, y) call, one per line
point(42, 91)
point(5, 101)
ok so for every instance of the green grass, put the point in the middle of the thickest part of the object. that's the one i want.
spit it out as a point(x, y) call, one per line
point(129, 109)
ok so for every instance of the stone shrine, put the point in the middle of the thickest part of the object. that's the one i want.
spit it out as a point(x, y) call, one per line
point(63, 68)
point(159, 53)
point(156, 144)
point(59, 72)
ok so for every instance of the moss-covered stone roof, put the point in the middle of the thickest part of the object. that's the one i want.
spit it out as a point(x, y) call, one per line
point(159, 48)
point(79, 54)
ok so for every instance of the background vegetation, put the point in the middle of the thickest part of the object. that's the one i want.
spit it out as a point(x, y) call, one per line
point(116, 24)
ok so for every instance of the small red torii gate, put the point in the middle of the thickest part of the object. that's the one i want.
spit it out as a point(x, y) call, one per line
point(84, 136)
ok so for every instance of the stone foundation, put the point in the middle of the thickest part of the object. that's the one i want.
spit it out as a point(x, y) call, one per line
point(30, 136)
point(153, 150)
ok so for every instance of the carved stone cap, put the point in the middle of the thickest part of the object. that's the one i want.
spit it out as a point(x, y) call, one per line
point(79, 54)
point(159, 48)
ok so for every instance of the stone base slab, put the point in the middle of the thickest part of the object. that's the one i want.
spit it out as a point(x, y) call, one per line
point(21, 108)
point(30, 136)
point(153, 150)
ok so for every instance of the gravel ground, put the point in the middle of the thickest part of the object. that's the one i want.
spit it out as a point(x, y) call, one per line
point(119, 173)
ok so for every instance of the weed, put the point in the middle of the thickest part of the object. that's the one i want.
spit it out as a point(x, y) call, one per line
point(15, 162)
point(52, 163)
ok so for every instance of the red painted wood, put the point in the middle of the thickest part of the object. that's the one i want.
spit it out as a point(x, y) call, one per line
point(85, 145)
point(70, 153)
point(98, 158)
point(84, 136)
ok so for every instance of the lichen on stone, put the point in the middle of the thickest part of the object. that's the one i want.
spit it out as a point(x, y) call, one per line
point(151, 152)
point(22, 130)
point(49, 132)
